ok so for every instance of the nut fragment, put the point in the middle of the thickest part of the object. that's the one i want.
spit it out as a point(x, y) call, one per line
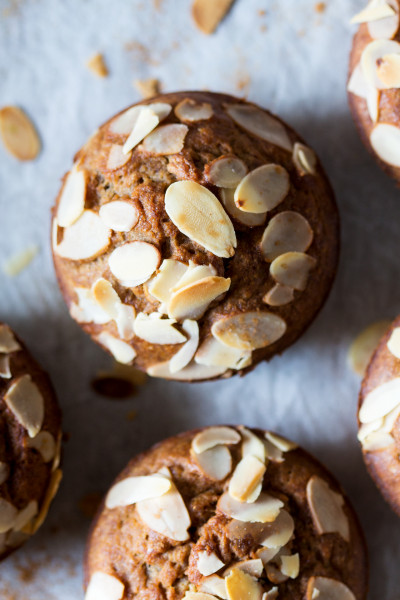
point(226, 171)
point(104, 587)
point(278, 533)
point(117, 158)
point(18, 133)
point(147, 119)
point(185, 354)
point(214, 585)
point(362, 348)
point(377, 440)
point(45, 444)
point(380, 401)
point(134, 263)
point(288, 231)
point(26, 403)
point(121, 351)
point(283, 444)
point(388, 71)
point(8, 343)
point(262, 189)
point(325, 588)
point(26, 515)
point(251, 444)
point(279, 295)
point(393, 343)
point(86, 238)
point(250, 330)
point(385, 141)
point(372, 57)
point(72, 200)
point(191, 301)
point(156, 330)
point(246, 218)
point(147, 88)
point(193, 372)
point(197, 213)
point(108, 300)
point(8, 514)
point(240, 585)
point(215, 463)
point(189, 110)
point(246, 479)
point(170, 272)
point(387, 27)
point(119, 215)
point(198, 596)
point(260, 123)
point(97, 65)
point(290, 565)
point(134, 489)
point(304, 159)
point(253, 567)
point(373, 12)
point(326, 508)
point(212, 352)
point(51, 491)
point(213, 436)
point(207, 14)
point(207, 564)
point(87, 310)
point(264, 510)
point(165, 140)
point(292, 269)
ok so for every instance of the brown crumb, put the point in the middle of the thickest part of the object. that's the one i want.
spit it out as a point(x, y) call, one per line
point(263, 28)
point(262, 12)
point(140, 53)
point(243, 82)
point(89, 503)
point(147, 88)
point(113, 387)
point(157, 4)
point(320, 7)
point(97, 65)
point(208, 14)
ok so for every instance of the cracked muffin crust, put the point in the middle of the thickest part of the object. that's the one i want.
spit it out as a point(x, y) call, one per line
point(225, 513)
point(195, 236)
point(30, 443)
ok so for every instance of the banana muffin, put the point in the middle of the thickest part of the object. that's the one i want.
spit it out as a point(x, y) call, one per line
point(379, 416)
point(30, 441)
point(195, 236)
point(225, 513)
point(374, 82)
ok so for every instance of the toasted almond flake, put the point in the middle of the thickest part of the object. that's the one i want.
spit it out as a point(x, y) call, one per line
point(253, 567)
point(226, 171)
point(117, 158)
point(134, 263)
point(371, 58)
point(367, 428)
point(207, 14)
point(373, 99)
point(104, 587)
point(388, 70)
point(212, 352)
point(20, 261)
point(8, 343)
point(377, 440)
point(288, 231)
point(26, 403)
point(121, 351)
point(51, 491)
point(45, 444)
point(19, 135)
point(326, 508)
point(250, 330)
point(156, 330)
point(191, 301)
point(26, 515)
point(86, 238)
point(274, 574)
point(147, 120)
point(246, 218)
point(272, 594)
point(215, 463)
point(185, 354)
point(193, 372)
point(364, 345)
point(304, 159)
point(125, 122)
point(189, 110)
point(4, 472)
point(278, 533)
point(280, 442)
point(273, 453)
point(357, 83)
point(170, 272)
point(374, 11)
point(166, 514)
point(147, 88)
point(198, 596)
point(386, 28)
point(106, 297)
point(193, 274)
point(134, 489)
point(240, 585)
point(260, 123)
point(87, 310)
point(97, 65)
point(207, 564)
point(8, 514)
point(325, 588)
point(262, 189)
point(264, 510)
point(72, 200)
point(214, 436)
point(214, 585)
point(279, 295)
point(165, 140)
point(380, 401)
point(5, 370)
point(385, 141)
point(199, 215)
point(267, 554)
point(251, 444)
point(292, 269)
point(246, 478)
point(290, 565)
point(393, 343)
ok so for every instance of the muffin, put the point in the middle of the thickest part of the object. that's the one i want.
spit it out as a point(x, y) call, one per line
point(379, 416)
point(30, 440)
point(374, 82)
point(197, 247)
point(230, 513)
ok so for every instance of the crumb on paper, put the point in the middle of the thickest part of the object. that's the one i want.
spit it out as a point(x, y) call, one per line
point(147, 88)
point(20, 261)
point(140, 53)
point(97, 65)
point(89, 503)
point(243, 83)
point(262, 12)
point(208, 14)
point(320, 7)
point(157, 4)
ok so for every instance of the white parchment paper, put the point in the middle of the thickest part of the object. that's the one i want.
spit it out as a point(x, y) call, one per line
point(291, 59)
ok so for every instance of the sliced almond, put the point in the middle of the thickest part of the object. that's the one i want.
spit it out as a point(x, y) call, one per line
point(185, 354)
point(215, 463)
point(97, 65)
point(165, 140)
point(72, 200)
point(104, 587)
point(267, 554)
point(372, 57)
point(193, 274)
point(366, 428)
point(214, 585)
point(380, 401)
point(87, 310)
point(385, 141)
point(8, 515)
point(326, 508)
point(283, 444)
point(246, 478)
point(377, 440)
point(288, 231)
point(251, 444)
point(134, 263)
point(373, 99)
point(207, 14)
point(364, 345)
point(4, 472)
point(274, 574)
point(260, 123)
point(170, 272)
point(156, 330)
point(25, 516)
point(18, 133)
point(5, 370)
point(212, 352)
point(253, 567)
point(166, 514)
point(290, 565)
point(325, 588)
point(124, 123)
point(8, 343)
point(192, 301)
point(374, 11)
point(264, 510)
point(117, 158)
point(45, 444)
point(146, 118)
point(279, 295)
point(86, 238)
point(106, 297)
point(189, 110)
point(292, 269)
point(304, 159)
point(207, 564)
point(226, 171)
point(26, 403)
point(198, 596)
point(51, 491)
point(272, 594)
point(134, 489)
point(357, 83)
point(246, 218)
point(19, 261)
point(193, 372)
point(385, 29)
point(250, 330)
point(278, 533)
point(214, 436)
point(262, 189)
point(198, 214)
point(240, 585)
point(393, 343)
point(388, 70)
point(121, 351)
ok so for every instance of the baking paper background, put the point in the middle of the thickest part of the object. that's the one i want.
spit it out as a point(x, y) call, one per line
point(292, 60)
